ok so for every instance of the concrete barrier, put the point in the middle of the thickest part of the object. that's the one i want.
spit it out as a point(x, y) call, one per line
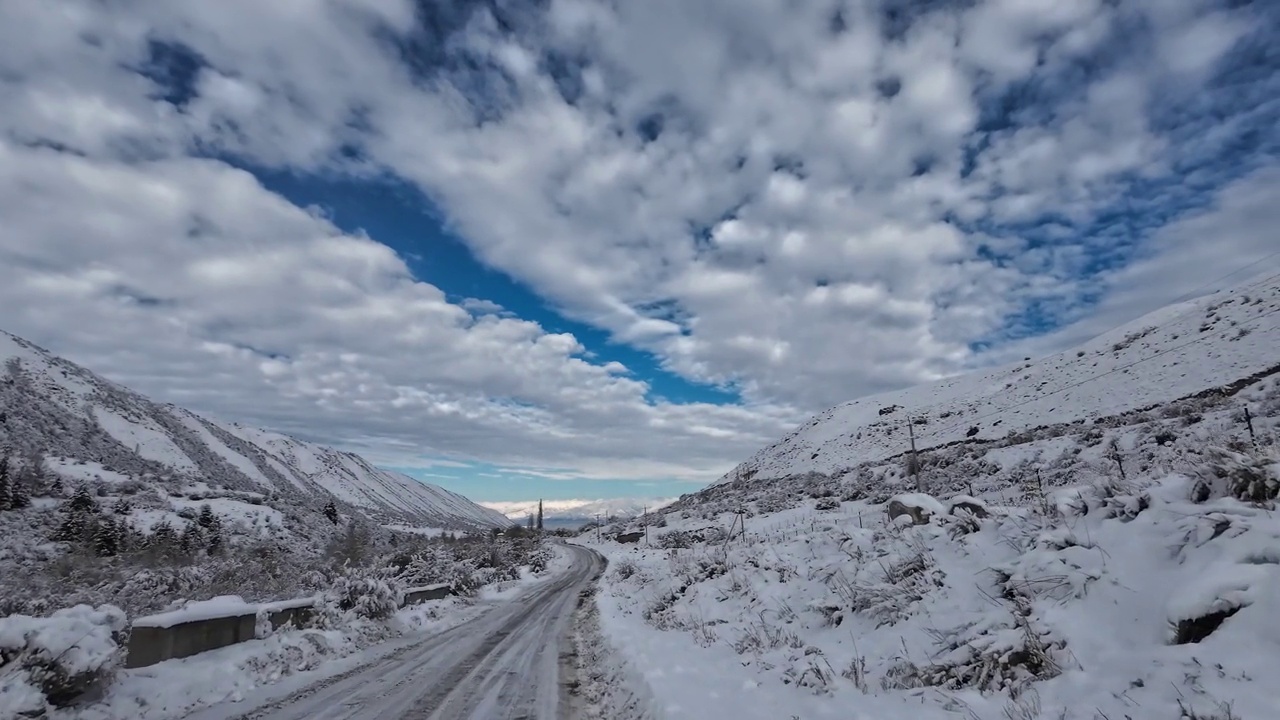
point(413, 596)
point(211, 624)
point(195, 628)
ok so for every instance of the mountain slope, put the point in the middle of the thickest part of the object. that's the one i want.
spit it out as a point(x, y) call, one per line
point(66, 413)
point(1088, 536)
point(1177, 351)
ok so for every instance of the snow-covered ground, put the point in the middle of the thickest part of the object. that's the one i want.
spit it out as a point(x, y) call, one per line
point(842, 613)
point(1096, 539)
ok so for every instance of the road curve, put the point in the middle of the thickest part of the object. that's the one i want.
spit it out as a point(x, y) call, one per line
point(502, 665)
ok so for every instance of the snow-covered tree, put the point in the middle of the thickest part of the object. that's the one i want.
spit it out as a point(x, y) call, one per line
point(18, 497)
point(331, 512)
point(539, 515)
point(162, 544)
point(191, 541)
point(207, 517)
point(82, 501)
point(122, 507)
point(6, 487)
point(106, 538)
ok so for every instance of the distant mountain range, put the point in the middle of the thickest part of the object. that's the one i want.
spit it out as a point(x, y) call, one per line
point(574, 513)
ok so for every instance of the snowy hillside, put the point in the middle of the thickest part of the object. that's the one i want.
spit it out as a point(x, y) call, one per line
point(1172, 353)
point(46, 397)
point(1089, 536)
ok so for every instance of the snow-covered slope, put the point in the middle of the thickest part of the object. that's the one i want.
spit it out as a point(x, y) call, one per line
point(68, 414)
point(1174, 352)
point(1103, 545)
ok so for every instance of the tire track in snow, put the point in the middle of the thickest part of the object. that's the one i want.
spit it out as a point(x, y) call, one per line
point(502, 665)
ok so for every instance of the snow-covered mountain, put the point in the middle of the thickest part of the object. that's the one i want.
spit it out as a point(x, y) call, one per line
point(578, 512)
point(87, 427)
point(1180, 350)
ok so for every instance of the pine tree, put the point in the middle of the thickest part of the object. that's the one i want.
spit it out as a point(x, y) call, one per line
point(106, 538)
point(6, 489)
point(331, 512)
point(18, 497)
point(531, 521)
point(73, 527)
point(126, 536)
point(163, 542)
point(539, 516)
point(122, 507)
point(214, 546)
point(191, 541)
point(207, 518)
point(82, 502)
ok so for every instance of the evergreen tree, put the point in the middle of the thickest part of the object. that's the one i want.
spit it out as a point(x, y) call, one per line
point(73, 528)
point(106, 538)
point(163, 542)
point(18, 497)
point(192, 541)
point(207, 517)
point(82, 502)
point(215, 542)
point(122, 507)
point(126, 536)
point(6, 491)
point(331, 512)
point(539, 515)
point(530, 521)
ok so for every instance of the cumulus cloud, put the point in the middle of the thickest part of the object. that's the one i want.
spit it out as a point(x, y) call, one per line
point(810, 201)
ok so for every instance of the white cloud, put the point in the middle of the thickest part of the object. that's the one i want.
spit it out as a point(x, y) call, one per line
point(812, 222)
point(1220, 246)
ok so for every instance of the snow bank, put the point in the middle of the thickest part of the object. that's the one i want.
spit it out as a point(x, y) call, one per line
point(54, 660)
point(196, 610)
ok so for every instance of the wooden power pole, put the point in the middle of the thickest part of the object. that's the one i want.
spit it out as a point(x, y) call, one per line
point(915, 461)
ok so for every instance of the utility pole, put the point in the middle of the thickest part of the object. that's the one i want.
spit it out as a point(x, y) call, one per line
point(915, 461)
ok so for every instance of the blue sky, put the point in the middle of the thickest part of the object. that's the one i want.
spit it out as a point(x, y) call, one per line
point(588, 249)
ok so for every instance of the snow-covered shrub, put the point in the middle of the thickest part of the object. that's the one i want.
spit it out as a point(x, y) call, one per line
point(1251, 477)
point(262, 623)
point(624, 569)
point(59, 657)
point(365, 596)
point(827, 503)
point(675, 539)
point(1002, 652)
point(539, 559)
point(462, 578)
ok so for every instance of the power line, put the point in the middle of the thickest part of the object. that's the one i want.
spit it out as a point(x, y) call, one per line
point(1090, 379)
point(1188, 294)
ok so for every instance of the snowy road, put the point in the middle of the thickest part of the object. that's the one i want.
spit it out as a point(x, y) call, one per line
point(502, 665)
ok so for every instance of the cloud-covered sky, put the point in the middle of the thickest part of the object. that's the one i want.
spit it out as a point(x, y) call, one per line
point(580, 248)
